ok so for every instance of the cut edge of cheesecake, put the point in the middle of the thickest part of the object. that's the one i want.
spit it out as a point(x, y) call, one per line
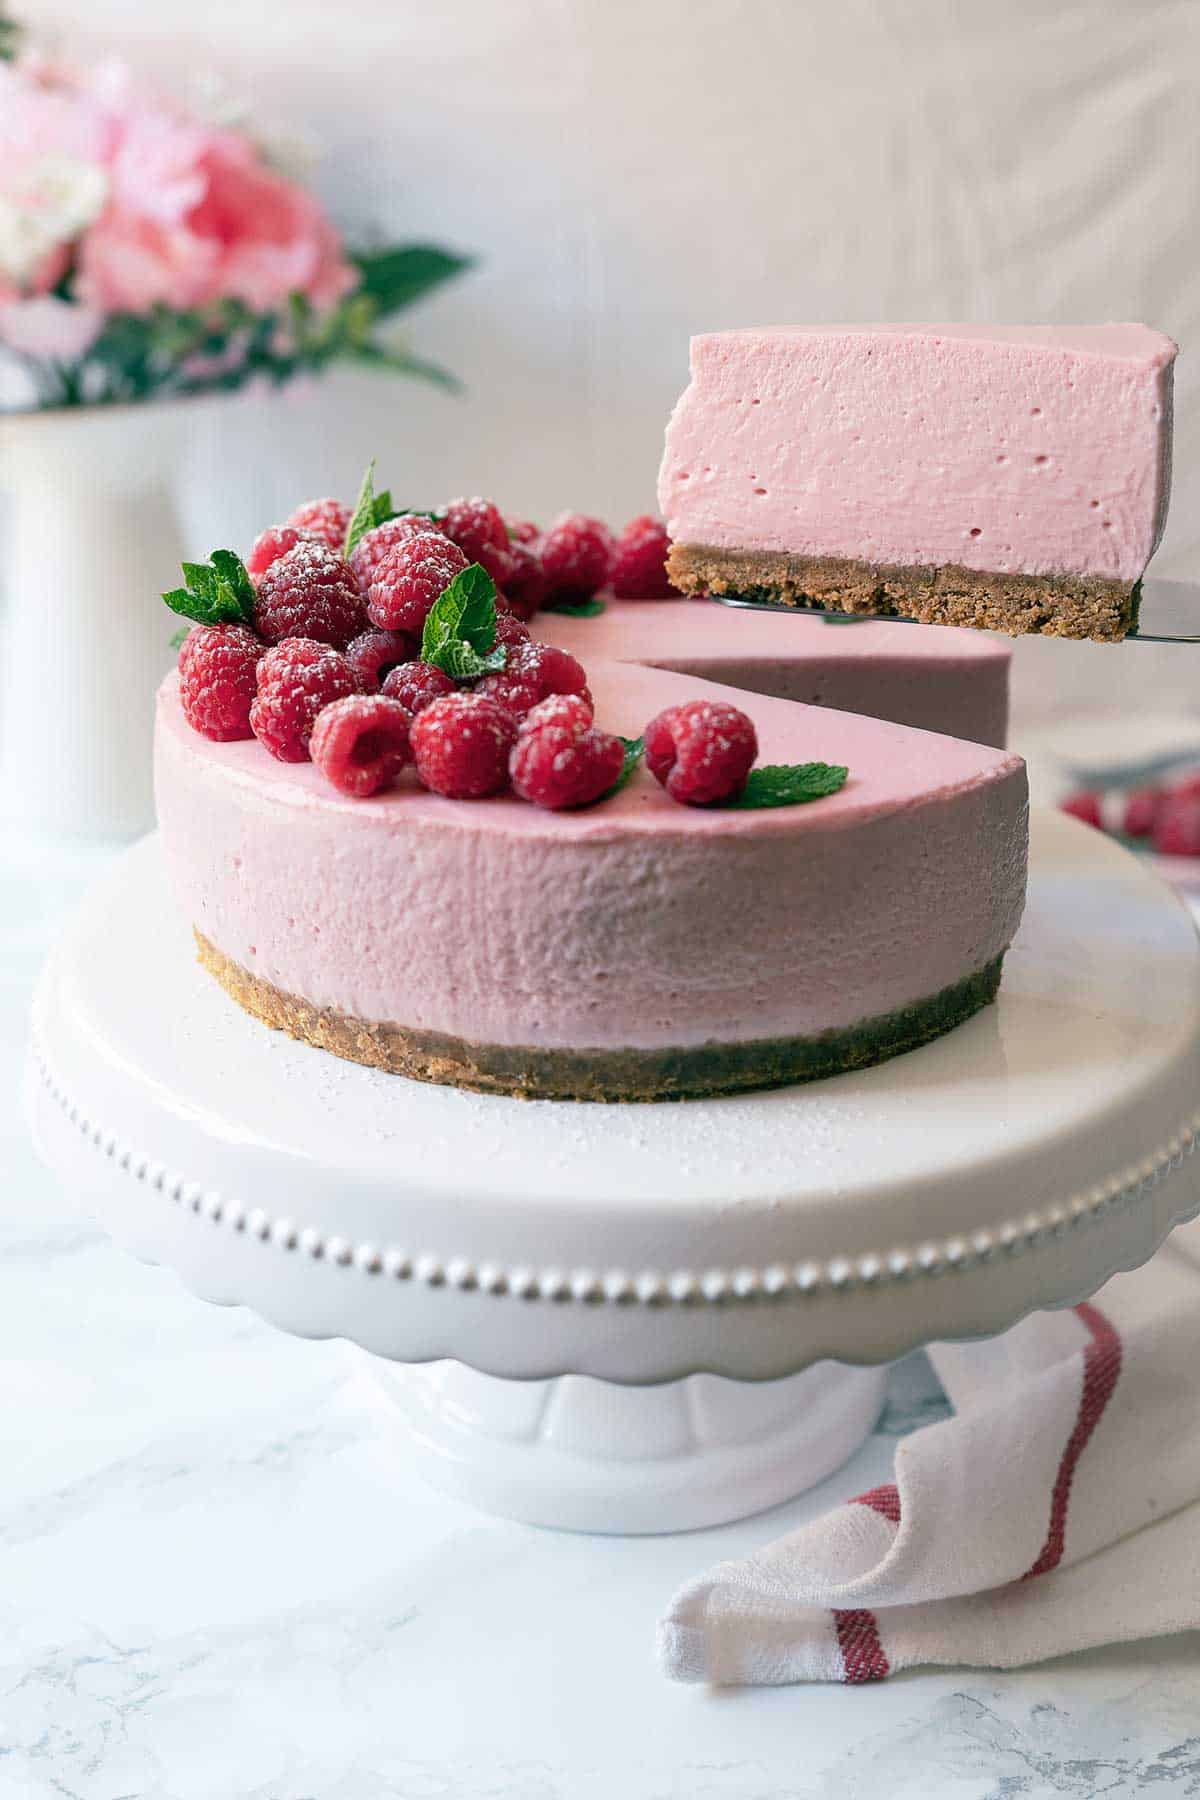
point(1065, 606)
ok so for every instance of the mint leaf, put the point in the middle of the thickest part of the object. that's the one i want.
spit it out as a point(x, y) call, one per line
point(575, 609)
point(460, 628)
point(635, 749)
point(176, 639)
point(218, 592)
point(790, 784)
point(370, 509)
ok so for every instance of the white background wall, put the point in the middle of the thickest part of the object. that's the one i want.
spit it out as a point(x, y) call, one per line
point(629, 171)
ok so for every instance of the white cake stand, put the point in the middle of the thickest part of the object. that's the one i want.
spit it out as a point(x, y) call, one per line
point(640, 1318)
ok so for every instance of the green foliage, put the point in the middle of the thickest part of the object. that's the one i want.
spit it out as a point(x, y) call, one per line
point(218, 349)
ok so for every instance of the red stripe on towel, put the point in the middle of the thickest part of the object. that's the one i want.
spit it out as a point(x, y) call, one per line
point(1101, 1367)
point(858, 1630)
point(884, 1500)
point(858, 1641)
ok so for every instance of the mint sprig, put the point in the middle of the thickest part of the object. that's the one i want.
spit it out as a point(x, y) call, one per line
point(460, 628)
point(635, 749)
point(790, 784)
point(370, 509)
point(218, 592)
point(575, 609)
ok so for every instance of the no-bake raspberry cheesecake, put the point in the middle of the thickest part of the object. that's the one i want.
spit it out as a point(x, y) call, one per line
point(1010, 477)
point(411, 833)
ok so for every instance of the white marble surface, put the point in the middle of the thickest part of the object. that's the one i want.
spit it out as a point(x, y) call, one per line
point(219, 1580)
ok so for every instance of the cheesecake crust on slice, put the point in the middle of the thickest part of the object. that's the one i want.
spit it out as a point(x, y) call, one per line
point(1064, 606)
point(689, 1072)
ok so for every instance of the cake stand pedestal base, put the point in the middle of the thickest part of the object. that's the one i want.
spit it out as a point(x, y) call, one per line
point(588, 1455)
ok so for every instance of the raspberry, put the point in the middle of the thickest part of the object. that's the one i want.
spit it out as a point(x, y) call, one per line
point(1177, 824)
point(522, 531)
point(329, 519)
point(1141, 809)
point(216, 680)
point(575, 556)
point(376, 653)
point(271, 544)
point(360, 743)
point(409, 580)
point(461, 745)
point(526, 586)
point(1086, 806)
point(702, 751)
point(533, 672)
point(374, 546)
point(478, 528)
point(560, 758)
point(638, 570)
point(417, 685)
point(296, 679)
point(309, 592)
point(510, 631)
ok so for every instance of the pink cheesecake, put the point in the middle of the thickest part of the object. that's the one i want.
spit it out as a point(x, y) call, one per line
point(1009, 477)
point(955, 682)
point(634, 950)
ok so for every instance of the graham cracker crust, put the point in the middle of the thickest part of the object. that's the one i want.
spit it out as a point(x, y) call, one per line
point(1067, 606)
point(690, 1073)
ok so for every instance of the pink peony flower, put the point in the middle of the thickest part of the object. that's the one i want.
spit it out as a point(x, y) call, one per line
point(152, 207)
point(197, 216)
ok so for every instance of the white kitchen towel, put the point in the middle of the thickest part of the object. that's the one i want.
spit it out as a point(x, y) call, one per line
point(1058, 1509)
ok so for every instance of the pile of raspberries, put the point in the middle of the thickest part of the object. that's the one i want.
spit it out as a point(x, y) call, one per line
point(331, 669)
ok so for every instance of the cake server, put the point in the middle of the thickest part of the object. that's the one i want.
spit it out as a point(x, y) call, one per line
point(1169, 613)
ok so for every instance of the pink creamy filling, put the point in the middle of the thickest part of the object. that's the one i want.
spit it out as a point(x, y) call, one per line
point(634, 923)
point(1041, 450)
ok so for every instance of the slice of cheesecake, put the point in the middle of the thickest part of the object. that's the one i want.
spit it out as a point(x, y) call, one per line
point(1013, 478)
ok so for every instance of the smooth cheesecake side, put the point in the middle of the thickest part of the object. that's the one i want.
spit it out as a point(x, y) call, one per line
point(1006, 478)
point(635, 950)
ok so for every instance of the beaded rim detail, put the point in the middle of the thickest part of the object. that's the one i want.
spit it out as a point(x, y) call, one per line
point(648, 1287)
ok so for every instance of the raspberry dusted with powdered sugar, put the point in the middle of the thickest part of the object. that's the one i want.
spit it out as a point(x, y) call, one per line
point(410, 578)
point(361, 744)
point(461, 746)
point(271, 544)
point(575, 556)
point(478, 528)
point(217, 682)
point(533, 672)
point(523, 531)
point(296, 680)
point(374, 654)
point(526, 586)
point(638, 570)
point(375, 546)
point(510, 631)
point(309, 592)
point(417, 685)
point(701, 751)
point(561, 759)
point(328, 519)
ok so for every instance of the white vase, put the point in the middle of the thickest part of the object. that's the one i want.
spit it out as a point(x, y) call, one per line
point(93, 537)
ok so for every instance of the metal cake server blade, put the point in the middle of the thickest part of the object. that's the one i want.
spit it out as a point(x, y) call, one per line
point(1169, 613)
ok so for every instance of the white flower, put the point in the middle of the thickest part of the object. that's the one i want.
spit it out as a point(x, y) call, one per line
point(45, 203)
